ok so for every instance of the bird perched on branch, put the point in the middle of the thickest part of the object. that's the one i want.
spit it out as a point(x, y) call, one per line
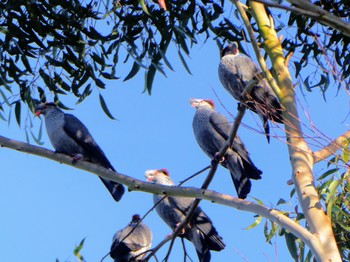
point(69, 136)
point(173, 211)
point(212, 130)
point(235, 71)
point(131, 242)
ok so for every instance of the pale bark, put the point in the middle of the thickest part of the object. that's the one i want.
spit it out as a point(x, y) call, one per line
point(324, 246)
point(139, 185)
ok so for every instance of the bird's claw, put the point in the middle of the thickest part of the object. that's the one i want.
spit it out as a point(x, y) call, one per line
point(77, 157)
point(183, 230)
point(217, 158)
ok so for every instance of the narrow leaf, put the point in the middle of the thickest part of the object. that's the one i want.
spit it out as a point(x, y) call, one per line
point(144, 7)
point(329, 172)
point(134, 70)
point(254, 224)
point(105, 108)
point(330, 198)
point(281, 201)
point(184, 63)
point(18, 113)
point(292, 246)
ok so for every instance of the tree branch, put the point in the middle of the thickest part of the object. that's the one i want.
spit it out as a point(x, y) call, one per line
point(324, 247)
point(258, 54)
point(323, 16)
point(332, 147)
point(138, 185)
point(312, 11)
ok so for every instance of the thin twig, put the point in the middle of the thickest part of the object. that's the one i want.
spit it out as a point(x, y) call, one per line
point(332, 147)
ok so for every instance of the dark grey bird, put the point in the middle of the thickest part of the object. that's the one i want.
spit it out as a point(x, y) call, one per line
point(173, 211)
point(70, 136)
point(131, 242)
point(212, 130)
point(235, 72)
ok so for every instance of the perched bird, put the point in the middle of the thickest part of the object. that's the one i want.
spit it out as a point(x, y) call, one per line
point(212, 130)
point(131, 242)
point(173, 211)
point(235, 72)
point(69, 136)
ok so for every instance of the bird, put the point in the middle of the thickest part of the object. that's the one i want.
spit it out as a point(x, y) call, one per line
point(173, 211)
point(235, 71)
point(211, 130)
point(68, 135)
point(131, 242)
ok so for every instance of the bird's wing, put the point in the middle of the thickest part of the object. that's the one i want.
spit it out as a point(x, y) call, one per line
point(81, 135)
point(205, 225)
point(181, 204)
point(127, 240)
point(221, 124)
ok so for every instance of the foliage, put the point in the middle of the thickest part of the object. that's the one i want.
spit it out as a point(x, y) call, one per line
point(334, 192)
point(72, 47)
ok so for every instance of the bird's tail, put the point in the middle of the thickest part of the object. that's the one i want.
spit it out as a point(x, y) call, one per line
point(242, 184)
point(115, 189)
point(266, 126)
point(204, 255)
point(262, 102)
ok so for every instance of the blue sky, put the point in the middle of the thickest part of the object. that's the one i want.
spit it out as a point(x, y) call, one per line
point(47, 208)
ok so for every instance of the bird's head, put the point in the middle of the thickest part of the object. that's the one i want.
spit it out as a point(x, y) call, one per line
point(230, 49)
point(43, 108)
point(202, 103)
point(135, 218)
point(158, 176)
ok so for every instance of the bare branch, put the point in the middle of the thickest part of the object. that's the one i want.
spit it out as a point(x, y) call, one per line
point(312, 11)
point(332, 147)
point(324, 247)
point(135, 184)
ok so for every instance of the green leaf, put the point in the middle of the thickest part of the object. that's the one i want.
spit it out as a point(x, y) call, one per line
point(329, 172)
point(18, 113)
point(184, 63)
point(77, 250)
point(134, 70)
point(281, 201)
point(143, 6)
point(86, 93)
point(27, 136)
point(99, 83)
point(330, 197)
point(165, 59)
point(36, 139)
point(105, 108)
point(254, 224)
point(149, 77)
point(292, 246)
point(345, 152)
point(257, 200)
point(4, 97)
point(98, 59)
point(269, 235)
point(2, 116)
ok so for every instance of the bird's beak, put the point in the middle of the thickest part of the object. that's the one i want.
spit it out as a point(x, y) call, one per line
point(38, 109)
point(194, 102)
point(149, 175)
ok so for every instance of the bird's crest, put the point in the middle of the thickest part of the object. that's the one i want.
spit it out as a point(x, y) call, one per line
point(210, 102)
point(164, 171)
point(230, 49)
point(136, 218)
